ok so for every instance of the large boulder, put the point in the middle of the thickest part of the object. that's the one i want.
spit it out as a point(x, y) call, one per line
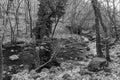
point(97, 64)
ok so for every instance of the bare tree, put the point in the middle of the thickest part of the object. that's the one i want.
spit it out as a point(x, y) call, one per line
point(28, 3)
point(78, 15)
point(17, 15)
point(26, 19)
point(14, 26)
point(56, 23)
point(1, 61)
point(0, 11)
point(99, 20)
point(97, 25)
point(1, 57)
point(8, 18)
point(112, 16)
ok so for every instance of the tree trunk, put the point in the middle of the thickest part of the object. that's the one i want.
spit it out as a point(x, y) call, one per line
point(107, 50)
point(30, 16)
point(106, 35)
point(55, 26)
point(1, 58)
point(30, 24)
point(99, 19)
point(1, 61)
point(98, 41)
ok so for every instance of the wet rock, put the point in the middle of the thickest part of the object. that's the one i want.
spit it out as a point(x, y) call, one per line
point(11, 54)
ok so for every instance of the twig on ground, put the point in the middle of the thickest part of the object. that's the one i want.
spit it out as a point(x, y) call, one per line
point(57, 49)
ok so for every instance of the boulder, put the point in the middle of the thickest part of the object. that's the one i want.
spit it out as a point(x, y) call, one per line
point(97, 64)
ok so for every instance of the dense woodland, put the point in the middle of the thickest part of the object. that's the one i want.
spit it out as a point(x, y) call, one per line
point(59, 39)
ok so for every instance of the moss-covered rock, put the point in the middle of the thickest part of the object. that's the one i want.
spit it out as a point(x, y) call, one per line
point(97, 64)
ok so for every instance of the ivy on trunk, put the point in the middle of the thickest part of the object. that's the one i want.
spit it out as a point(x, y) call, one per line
point(48, 11)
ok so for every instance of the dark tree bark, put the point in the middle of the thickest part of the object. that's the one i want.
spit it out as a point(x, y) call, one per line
point(55, 26)
point(43, 22)
point(1, 58)
point(1, 61)
point(106, 37)
point(98, 16)
point(98, 40)
point(30, 16)
point(107, 50)
point(47, 11)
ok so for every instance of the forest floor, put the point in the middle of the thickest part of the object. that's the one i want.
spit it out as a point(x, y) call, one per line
point(72, 57)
